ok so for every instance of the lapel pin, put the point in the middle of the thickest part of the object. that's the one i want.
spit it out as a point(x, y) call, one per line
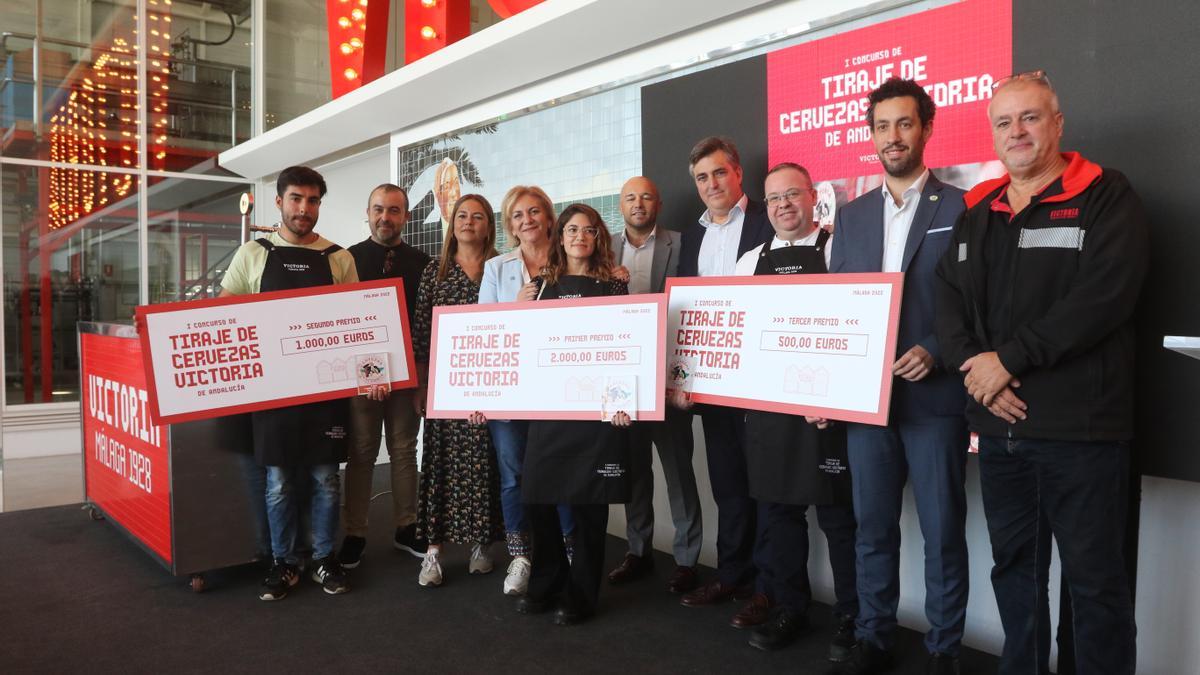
point(933, 198)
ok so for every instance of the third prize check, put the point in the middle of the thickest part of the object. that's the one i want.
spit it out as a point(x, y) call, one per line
point(549, 359)
point(805, 344)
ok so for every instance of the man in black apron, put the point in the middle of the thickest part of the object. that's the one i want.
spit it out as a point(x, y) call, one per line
point(307, 440)
point(792, 464)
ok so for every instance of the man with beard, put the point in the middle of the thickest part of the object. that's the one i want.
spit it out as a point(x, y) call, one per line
point(651, 254)
point(906, 226)
point(384, 255)
point(307, 440)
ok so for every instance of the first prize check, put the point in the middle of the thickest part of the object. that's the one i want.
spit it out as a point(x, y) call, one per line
point(548, 359)
point(220, 356)
point(808, 344)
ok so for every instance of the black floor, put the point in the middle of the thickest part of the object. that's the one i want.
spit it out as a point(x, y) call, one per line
point(76, 596)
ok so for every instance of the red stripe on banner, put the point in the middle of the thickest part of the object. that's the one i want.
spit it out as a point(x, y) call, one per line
point(817, 91)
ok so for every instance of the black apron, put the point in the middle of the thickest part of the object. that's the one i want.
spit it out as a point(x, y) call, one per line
point(790, 461)
point(572, 461)
point(309, 433)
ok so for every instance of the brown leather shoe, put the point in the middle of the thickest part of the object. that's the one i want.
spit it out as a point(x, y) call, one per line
point(631, 568)
point(754, 613)
point(709, 594)
point(683, 579)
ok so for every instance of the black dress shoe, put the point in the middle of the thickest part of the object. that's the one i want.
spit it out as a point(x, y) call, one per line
point(683, 579)
point(569, 616)
point(942, 664)
point(843, 640)
point(633, 567)
point(715, 592)
point(528, 605)
point(865, 659)
point(780, 631)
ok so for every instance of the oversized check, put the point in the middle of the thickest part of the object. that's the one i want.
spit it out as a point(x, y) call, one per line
point(804, 344)
point(221, 356)
point(548, 359)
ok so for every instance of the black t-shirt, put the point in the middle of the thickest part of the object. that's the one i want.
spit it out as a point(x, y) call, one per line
point(371, 259)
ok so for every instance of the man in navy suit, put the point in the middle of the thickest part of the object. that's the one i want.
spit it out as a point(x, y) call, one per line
point(731, 225)
point(905, 227)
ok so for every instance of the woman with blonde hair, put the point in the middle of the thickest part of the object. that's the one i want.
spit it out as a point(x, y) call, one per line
point(459, 494)
point(528, 217)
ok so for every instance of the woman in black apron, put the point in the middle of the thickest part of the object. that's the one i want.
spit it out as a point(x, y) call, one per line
point(792, 464)
point(583, 464)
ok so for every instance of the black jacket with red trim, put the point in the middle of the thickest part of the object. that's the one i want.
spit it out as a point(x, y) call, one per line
point(1082, 255)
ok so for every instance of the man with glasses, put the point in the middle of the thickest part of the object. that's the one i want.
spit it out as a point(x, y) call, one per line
point(793, 464)
point(905, 226)
point(1036, 297)
point(384, 255)
point(651, 254)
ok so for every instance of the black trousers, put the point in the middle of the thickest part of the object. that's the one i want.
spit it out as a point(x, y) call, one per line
point(575, 584)
point(784, 574)
point(737, 512)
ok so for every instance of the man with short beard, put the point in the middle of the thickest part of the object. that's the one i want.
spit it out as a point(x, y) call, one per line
point(906, 227)
point(384, 255)
point(306, 440)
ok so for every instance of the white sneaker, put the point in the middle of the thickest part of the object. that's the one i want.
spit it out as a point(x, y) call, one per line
point(517, 581)
point(431, 570)
point(481, 559)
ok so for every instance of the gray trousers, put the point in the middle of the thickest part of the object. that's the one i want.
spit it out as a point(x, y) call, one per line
point(673, 438)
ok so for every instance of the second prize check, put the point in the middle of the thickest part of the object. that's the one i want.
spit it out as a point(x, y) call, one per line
point(548, 359)
point(806, 344)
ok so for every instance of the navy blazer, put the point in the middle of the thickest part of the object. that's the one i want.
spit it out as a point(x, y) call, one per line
point(858, 247)
point(756, 229)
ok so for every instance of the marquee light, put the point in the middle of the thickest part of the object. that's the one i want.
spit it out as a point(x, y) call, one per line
point(357, 42)
point(430, 25)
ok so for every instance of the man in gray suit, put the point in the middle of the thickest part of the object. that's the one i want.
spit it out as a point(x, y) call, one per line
point(651, 254)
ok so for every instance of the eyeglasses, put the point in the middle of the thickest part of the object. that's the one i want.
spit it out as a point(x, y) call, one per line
point(792, 196)
point(1031, 76)
point(591, 231)
point(389, 261)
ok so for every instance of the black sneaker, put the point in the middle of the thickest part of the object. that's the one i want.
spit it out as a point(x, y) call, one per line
point(352, 552)
point(407, 541)
point(280, 578)
point(329, 573)
point(843, 640)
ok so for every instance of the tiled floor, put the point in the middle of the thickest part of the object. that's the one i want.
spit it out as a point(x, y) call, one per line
point(42, 481)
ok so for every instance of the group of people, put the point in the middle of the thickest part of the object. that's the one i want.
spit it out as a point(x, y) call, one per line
point(1015, 329)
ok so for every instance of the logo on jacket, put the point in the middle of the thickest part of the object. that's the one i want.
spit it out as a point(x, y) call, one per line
point(1064, 214)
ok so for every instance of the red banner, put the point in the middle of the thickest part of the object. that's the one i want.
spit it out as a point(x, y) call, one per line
point(125, 454)
point(817, 91)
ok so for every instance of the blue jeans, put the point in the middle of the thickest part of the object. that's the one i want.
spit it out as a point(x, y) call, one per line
point(256, 486)
point(283, 508)
point(509, 438)
point(1075, 491)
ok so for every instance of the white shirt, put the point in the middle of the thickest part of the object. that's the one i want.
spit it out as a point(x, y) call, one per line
point(749, 262)
point(638, 260)
point(897, 221)
point(718, 249)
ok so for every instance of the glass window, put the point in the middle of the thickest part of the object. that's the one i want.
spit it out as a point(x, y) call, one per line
point(79, 104)
point(296, 59)
point(194, 227)
point(70, 242)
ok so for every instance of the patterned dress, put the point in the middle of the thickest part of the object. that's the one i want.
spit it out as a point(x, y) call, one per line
point(459, 500)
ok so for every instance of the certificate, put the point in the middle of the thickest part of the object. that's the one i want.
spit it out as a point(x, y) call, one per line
point(804, 344)
point(551, 359)
point(221, 356)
